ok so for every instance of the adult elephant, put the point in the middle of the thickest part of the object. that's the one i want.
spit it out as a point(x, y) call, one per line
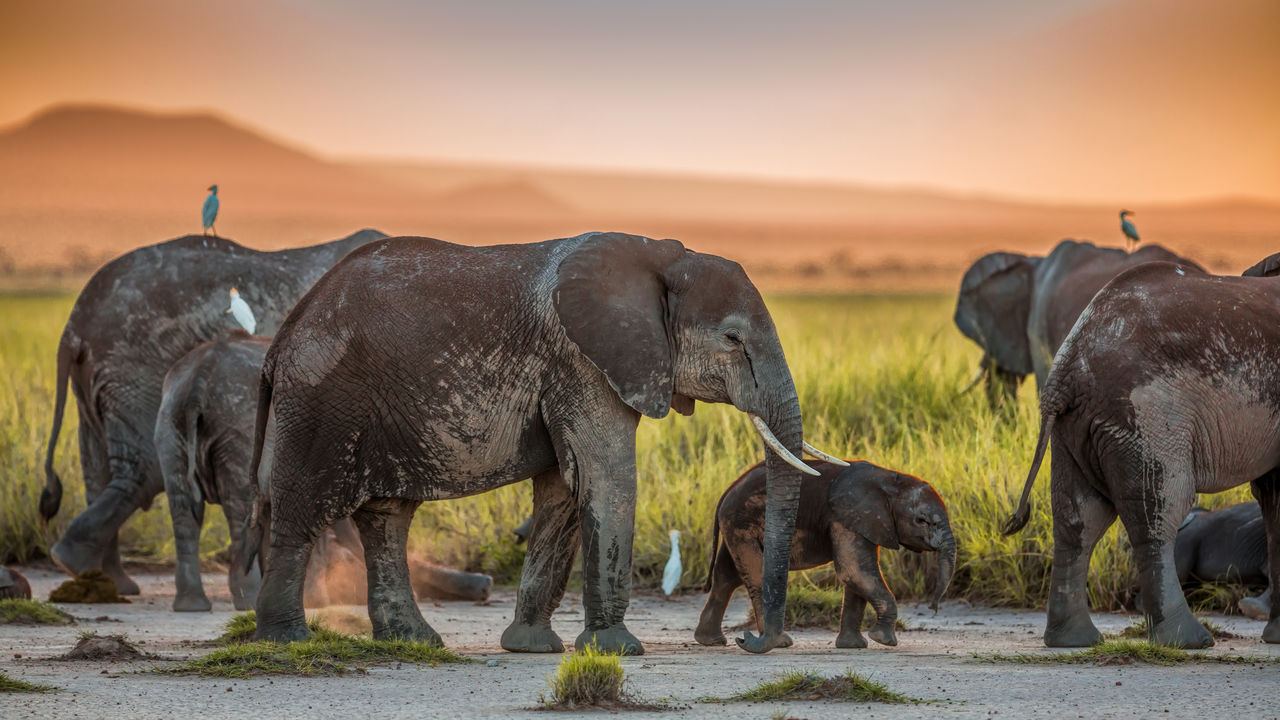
point(1168, 386)
point(135, 317)
point(1019, 308)
point(421, 370)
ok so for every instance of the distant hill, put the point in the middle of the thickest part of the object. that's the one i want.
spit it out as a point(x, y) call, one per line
point(82, 183)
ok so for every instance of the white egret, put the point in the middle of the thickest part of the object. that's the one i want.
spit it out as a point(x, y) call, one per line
point(674, 569)
point(1131, 238)
point(242, 312)
point(209, 212)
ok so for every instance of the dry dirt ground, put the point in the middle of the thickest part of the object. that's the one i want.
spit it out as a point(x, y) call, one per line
point(934, 660)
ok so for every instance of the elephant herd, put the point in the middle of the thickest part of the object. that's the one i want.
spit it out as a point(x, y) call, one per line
point(393, 371)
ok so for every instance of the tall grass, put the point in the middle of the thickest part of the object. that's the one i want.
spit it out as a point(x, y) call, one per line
point(879, 379)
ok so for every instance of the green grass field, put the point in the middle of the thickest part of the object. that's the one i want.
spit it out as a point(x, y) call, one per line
point(879, 378)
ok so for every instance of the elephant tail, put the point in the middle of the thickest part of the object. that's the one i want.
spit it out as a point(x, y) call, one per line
point(715, 546)
point(51, 495)
point(256, 526)
point(1019, 519)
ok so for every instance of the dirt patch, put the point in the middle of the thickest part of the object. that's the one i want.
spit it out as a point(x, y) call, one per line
point(93, 646)
point(88, 587)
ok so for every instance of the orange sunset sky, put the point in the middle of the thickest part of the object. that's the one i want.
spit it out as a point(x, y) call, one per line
point(1074, 100)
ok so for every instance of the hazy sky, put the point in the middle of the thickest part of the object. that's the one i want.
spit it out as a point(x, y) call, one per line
point(1117, 100)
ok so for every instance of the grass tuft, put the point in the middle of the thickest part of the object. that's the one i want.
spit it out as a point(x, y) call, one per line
point(1124, 652)
point(23, 611)
point(1138, 630)
point(586, 678)
point(10, 685)
point(809, 685)
point(326, 653)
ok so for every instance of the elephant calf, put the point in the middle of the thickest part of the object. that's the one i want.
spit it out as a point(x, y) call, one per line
point(1229, 544)
point(202, 433)
point(846, 514)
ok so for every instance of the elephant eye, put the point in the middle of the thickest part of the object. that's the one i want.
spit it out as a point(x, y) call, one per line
point(733, 336)
point(921, 520)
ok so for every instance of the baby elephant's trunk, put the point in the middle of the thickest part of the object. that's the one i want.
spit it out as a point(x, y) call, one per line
point(946, 568)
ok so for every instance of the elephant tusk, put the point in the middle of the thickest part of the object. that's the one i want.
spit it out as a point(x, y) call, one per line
point(977, 377)
point(777, 447)
point(823, 456)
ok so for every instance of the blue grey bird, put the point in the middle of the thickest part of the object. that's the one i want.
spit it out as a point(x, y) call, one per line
point(209, 212)
point(1131, 238)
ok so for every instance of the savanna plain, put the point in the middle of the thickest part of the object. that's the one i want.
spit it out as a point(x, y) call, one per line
point(880, 378)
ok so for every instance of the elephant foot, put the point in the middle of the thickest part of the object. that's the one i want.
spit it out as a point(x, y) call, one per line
point(1255, 609)
point(851, 640)
point(1181, 631)
point(410, 626)
point(1073, 633)
point(531, 639)
point(1271, 633)
point(124, 584)
point(289, 631)
point(192, 602)
point(76, 558)
point(884, 635)
point(243, 604)
point(710, 636)
point(614, 639)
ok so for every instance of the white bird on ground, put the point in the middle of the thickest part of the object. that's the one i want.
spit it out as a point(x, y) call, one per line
point(242, 312)
point(672, 572)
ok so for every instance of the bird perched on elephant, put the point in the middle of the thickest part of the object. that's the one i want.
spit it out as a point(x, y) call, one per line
point(1226, 545)
point(135, 317)
point(420, 370)
point(846, 515)
point(1019, 308)
point(204, 440)
point(1168, 386)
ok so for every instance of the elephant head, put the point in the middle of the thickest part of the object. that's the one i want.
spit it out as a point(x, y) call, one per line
point(992, 311)
point(1269, 266)
point(895, 510)
point(667, 327)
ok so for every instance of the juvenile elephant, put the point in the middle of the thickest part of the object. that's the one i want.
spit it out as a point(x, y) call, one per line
point(1019, 308)
point(1168, 386)
point(135, 317)
point(203, 436)
point(1226, 545)
point(846, 515)
point(420, 370)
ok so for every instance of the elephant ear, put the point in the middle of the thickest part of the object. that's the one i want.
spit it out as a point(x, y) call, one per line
point(864, 508)
point(1266, 267)
point(611, 299)
point(995, 301)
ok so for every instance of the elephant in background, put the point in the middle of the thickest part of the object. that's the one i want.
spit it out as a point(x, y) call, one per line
point(1019, 308)
point(1226, 545)
point(420, 370)
point(134, 319)
point(203, 437)
point(1167, 387)
point(846, 515)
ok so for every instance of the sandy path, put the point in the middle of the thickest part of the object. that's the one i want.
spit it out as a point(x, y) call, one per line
point(932, 661)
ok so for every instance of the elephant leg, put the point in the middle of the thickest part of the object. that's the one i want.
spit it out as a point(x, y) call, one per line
point(384, 530)
point(280, 614)
point(1266, 490)
point(1257, 608)
point(851, 612)
point(724, 581)
point(748, 558)
point(553, 542)
point(244, 584)
point(857, 562)
point(1153, 528)
point(442, 583)
point(1080, 517)
point(187, 522)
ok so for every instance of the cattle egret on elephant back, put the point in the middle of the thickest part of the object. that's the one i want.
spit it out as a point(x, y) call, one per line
point(672, 572)
point(1130, 232)
point(209, 212)
point(241, 311)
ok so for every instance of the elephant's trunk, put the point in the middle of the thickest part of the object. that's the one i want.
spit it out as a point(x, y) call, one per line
point(782, 495)
point(946, 568)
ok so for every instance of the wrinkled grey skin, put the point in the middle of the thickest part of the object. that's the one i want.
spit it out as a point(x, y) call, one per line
point(1225, 545)
point(846, 515)
point(135, 317)
point(420, 370)
point(1167, 387)
point(1019, 308)
point(204, 440)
